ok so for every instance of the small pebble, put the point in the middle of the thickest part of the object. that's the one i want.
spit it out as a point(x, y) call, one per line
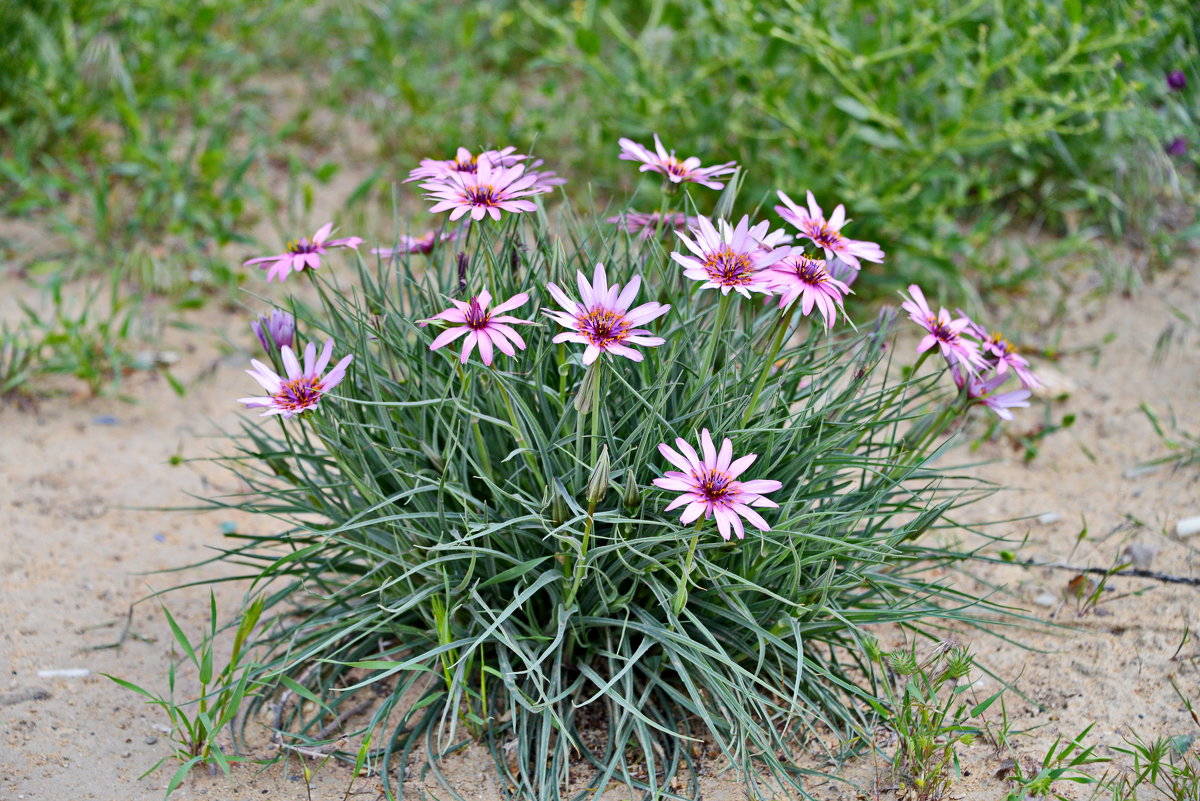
point(1045, 599)
point(160, 537)
point(1049, 518)
point(1187, 527)
point(1140, 555)
point(151, 740)
point(105, 420)
point(1141, 470)
point(63, 673)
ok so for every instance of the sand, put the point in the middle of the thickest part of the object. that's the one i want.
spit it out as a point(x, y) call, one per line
point(80, 537)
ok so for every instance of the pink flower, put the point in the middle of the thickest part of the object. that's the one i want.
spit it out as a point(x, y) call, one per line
point(488, 191)
point(709, 486)
point(476, 320)
point(303, 389)
point(827, 234)
point(943, 331)
point(688, 170)
point(1002, 355)
point(464, 162)
point(983, 391)
point(602, 320)
point(275, 331)
point(649, 225)
point(798, 276)
point(730, 259)
point(416, 244)
point(302, 253)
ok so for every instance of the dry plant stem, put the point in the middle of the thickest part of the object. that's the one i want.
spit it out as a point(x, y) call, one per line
point(1131, 572)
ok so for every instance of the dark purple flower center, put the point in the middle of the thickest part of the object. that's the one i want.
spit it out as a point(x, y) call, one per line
point(604, 327)
point(823, 235)
point(299, 394)
point(477, 316)
point(675, 167)
point(468, 165)
point(716, 486)
point(297, 246)
point(484, 195)
point(810, 271)
point(941, 331)
point(727, 268)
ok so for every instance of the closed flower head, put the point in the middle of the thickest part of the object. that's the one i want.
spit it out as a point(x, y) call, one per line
point(275, 331)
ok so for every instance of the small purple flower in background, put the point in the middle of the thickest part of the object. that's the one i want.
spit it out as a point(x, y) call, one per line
point(488, 191)
point(648, 225)
point(731, 259)
point(1002, 355)
point(603, 320)
point(843, 272)
point(276, 331)
point(1176, 80)
point(464, 162)
point(482, 328)
point(983, 390)
point(944, 332)
point(303, 388)
point(799, 276)
point(303, 253)
point(686, 171)
point(709, 487)
point(416, 244)
point(827, 234)
point(1177, 147)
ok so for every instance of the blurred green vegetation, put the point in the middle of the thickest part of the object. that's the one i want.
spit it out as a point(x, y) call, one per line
point(152, 134)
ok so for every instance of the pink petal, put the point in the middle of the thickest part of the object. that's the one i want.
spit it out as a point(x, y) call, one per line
point(448, 336)
point(693, 511)
point(674, 458)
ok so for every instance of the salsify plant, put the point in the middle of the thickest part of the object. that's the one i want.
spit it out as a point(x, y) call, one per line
point(570, 502)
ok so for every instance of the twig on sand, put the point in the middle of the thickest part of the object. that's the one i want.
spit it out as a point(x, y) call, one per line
point(1132, 572)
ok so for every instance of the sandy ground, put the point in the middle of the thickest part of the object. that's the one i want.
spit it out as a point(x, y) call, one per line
point(79, 539)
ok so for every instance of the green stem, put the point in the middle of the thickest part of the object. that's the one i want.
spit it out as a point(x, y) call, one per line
point(681, 593)
point(595, 410)
point(479, 444)
point(581, 562)
point(522, 443)
point(777, 340)
point(710, 354)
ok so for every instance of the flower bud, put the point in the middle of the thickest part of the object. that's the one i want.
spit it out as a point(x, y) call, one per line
point(633, 494)
point(275, 331)
point(598, 483)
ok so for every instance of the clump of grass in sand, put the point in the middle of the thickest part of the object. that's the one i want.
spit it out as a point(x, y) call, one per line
point(518, 540)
